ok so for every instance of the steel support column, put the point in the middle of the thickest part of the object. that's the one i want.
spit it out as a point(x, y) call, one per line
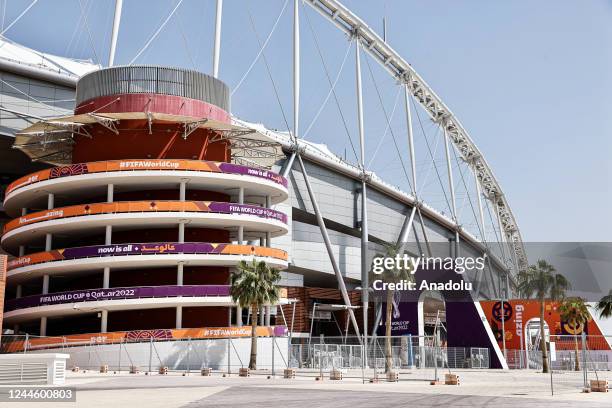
point(364, 200)
point(115, 33)
point(217, 45)
point(328, 246)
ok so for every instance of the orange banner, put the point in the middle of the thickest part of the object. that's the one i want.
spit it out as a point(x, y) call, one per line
point(140, 165)
point(143, 206)
point(142, 335)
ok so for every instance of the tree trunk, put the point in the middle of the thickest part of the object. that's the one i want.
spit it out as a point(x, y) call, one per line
point(253, 360)
point(388, 349)
point(545, 367)
point(576, 360)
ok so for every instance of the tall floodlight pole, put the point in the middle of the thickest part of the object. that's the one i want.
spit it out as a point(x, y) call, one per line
point(217, 46)
point(364, 201)
point(115, 34)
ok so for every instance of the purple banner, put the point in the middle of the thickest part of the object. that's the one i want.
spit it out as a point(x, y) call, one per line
point(250, 171)
point(92, 295)
point(143, 249)
point(262, 212)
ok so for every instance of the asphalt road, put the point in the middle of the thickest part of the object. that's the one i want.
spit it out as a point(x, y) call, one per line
point(263, 397)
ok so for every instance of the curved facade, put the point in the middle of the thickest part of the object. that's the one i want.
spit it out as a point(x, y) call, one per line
point(142, 229)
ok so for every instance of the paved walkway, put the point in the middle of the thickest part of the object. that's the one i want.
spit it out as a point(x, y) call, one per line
point(479, 388)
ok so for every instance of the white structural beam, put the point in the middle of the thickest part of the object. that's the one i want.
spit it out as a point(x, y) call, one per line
point(115, 33)
point(217, 45)
point(407, 97)
point(364, 199)
point(400, 69)
point(451, 185)
point(296, 67)
point(328, 246)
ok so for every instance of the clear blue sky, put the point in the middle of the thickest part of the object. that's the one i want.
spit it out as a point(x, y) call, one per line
point(530, 80)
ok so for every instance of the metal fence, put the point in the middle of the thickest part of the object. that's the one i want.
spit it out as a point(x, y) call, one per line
point(412, 357)
point(225, 355)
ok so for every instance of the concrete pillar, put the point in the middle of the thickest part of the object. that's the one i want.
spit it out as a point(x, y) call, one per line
point(21, 250)
point(241, 235)
point(48, 242)
point(268, 239)
point(268, 312)
point(24, 212)
point(108, 236)
point(110, 193)
point(181, 235)
point(179, 309)
point(183, 190)
point(241, 228)
point(179, 274)
point(104, 321)
point(18, 292)
point(179, 317)
point(43, 326)
point(106, 278)
point(45, 285)
point(48, 246)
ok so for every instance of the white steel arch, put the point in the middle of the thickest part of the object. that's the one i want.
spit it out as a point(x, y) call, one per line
point(400, 69)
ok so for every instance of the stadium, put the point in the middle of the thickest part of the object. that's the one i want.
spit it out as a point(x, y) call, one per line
point(132, 192)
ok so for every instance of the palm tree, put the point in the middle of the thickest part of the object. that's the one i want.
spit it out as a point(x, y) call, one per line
point(576, 313)
point(541, 282)
point(393, 275)
point(254, 285)
point(605, 305)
